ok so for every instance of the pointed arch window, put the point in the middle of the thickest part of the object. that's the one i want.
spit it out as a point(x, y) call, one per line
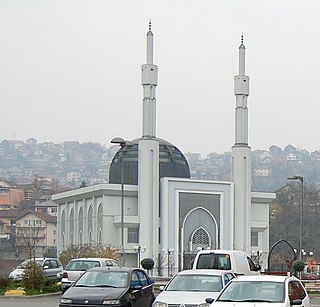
point(90, 224)
point(72, 226)
point(100, 223)
point(81, 226)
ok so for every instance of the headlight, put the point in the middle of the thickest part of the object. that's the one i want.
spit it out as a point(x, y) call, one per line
point(111, 302)
point(65, 301)
point(204, 305)
point(160, 304)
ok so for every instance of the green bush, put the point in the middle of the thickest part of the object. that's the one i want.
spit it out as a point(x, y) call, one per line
point(33, 276)
point(147, 263)
point(298, 265)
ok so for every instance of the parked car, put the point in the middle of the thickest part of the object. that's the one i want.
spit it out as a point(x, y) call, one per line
point(76, 267)
point(230, 260)
point(262, 290)
point(192, 287)
point(106, 286)
point(50, 266)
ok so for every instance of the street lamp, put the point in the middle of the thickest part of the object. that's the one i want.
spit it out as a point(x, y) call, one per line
point(123, 144)
point(139, 250)
point(168, 252)
point(300, 178)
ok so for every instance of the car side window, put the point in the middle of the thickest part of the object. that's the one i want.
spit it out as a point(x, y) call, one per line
point(251, 264)
point(143, 278)
point(294, 292)
point(53, 264)
point(47, 263)
point(134, 279)
point(301, 291)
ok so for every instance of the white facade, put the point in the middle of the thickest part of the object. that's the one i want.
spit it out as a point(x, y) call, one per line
point(171, 217)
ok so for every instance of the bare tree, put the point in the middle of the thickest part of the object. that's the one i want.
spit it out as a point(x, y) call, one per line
point(30, 238)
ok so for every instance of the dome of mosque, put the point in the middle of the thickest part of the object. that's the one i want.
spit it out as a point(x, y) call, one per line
point(172, 163)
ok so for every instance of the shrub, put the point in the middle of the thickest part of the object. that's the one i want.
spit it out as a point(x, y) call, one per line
point(4, 282)
point(82, 251)
point(33, 276)
point(298, 265)
point(147, 263)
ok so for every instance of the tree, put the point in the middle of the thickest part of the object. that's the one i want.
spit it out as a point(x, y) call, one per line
point(298, 266)
point(30, 238)
point(147, 264)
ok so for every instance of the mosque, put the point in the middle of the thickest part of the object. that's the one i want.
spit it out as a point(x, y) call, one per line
point(152, 209)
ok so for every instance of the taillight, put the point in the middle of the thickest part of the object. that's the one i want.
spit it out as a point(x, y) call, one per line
point(65, 275)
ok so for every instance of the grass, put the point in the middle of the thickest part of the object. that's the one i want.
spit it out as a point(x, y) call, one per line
point(49, 287)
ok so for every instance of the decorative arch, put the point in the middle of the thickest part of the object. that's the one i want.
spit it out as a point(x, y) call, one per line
point(274, 245)
point(80, 226)
point(63, 227)
point(72, 226)
point(90, 224)
point(200, 239)
point(100, 223)
point(199, 223)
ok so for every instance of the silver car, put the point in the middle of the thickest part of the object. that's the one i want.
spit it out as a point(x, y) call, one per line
point(50, 266)
point(76, 267)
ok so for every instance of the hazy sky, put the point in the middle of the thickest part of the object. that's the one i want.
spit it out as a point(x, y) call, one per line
point(70, 70)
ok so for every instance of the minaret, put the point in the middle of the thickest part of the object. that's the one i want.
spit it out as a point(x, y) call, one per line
point(149, 81)
point(148, 162)
point(241, 160)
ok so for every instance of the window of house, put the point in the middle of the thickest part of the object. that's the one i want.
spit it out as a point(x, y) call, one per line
point(254, 238)
point(133, 235)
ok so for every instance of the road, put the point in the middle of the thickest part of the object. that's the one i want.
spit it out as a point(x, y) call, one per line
point(53, 301)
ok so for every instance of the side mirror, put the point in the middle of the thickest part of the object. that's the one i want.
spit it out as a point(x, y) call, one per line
point(209, 300)
point(161, 288)
point(46, 267)
point(296, 302)
point(258, 267)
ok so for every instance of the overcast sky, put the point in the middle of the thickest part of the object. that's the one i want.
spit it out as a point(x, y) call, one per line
point(70, 70)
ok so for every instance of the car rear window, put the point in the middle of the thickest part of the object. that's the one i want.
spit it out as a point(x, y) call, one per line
point(214, 261)
point(82, 265)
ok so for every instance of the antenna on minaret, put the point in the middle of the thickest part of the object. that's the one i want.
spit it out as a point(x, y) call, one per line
point(150, 25)
point(242, 39)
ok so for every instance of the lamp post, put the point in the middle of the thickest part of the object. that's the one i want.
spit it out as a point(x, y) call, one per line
point(123, 144)
point(139, 250)
point(300, 178)
point(168, 252)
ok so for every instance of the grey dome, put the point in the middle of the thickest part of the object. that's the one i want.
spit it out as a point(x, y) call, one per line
point(172, 162)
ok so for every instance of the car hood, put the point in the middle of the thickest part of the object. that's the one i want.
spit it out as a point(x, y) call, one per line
point(92, 295)
point(185, 297)
point(251, 304)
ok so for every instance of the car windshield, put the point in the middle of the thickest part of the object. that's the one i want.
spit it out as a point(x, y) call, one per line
point(24, 263)
point(253, 291)
point(82, 265)
point(103, 279)
point(197, 282)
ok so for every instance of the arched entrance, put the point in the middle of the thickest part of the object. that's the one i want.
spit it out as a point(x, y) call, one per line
point(199, 230)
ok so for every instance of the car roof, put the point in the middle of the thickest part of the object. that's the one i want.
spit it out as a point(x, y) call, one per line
point(112, 268)
point(203, 272)
point(93, 259)
point(276, 278)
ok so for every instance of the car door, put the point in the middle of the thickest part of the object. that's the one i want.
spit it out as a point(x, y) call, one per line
point(136, 291)
point(297, 292)
point(147, 288)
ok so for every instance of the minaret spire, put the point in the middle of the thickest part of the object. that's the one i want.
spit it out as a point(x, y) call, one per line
point(241, 91)
point(149, 80)
point(241, 160)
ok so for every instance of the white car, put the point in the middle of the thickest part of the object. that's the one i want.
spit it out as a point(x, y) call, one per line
point(50, 266)
point(76, 267)
point(192, 287)
point(262, 291)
